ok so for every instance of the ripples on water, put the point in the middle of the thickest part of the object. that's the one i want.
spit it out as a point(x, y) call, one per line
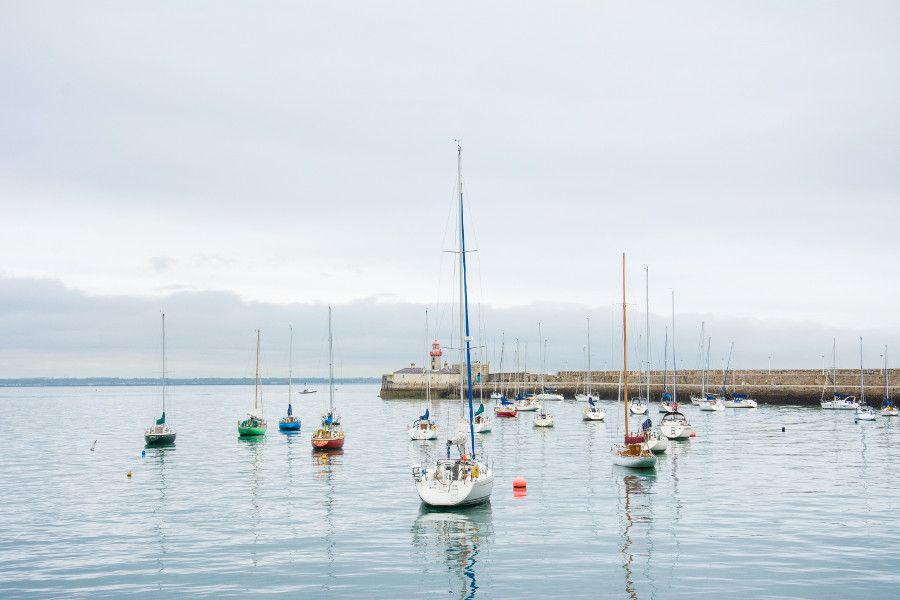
point(741, 511)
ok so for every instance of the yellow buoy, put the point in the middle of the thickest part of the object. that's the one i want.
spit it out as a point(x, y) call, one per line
point(129, 474)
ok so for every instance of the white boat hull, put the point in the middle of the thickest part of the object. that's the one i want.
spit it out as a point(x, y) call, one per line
point(838, 405)
point(547, 397)
point(695, 400)
point(482, 426)
point(526, 406)
point(586, 397)
point(544, 421)
point(712, 406)
point(465, 492)
point(645, 460)
point(865, 415)
point(658, 445)
point(496, 395)
point(889, 412)
point(675, 431)
point(748, 403)
point(593, 414)
point(419, 434)
point(638, 409)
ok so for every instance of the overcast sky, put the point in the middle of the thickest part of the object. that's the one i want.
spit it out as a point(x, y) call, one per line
point(244, 164)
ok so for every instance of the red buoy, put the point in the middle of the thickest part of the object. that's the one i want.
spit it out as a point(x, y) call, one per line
point(519, 483)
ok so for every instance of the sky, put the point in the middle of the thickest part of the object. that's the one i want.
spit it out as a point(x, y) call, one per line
point(245, 165)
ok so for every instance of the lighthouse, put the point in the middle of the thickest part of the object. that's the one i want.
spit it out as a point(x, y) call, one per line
point(436, 354)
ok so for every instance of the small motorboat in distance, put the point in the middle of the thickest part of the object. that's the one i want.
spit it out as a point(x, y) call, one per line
point(307, 390)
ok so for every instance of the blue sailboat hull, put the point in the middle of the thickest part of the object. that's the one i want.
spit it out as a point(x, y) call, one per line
point(290, 426)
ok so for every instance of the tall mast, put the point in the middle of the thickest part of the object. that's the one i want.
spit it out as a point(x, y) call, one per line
point(674, 364)
point(666, 361)
point(833, 367)
point(502, 349)
point(862, 381)
point(256, 392)
point(624, 348)
point(647, 318)
point(290, 362)
point(330, 366)
point(702, 367)
point(543, 351)
point(426, 363)
point(708, 342)
point(462, 283)
point(589, 357)
point(464, 306)
point(164, 363)
point(886, 392)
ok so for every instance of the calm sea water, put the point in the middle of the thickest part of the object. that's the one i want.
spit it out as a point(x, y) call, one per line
point(741, 511)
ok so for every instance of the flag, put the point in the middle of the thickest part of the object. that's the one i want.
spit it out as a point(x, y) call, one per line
point(480, 410)
point(162, 419)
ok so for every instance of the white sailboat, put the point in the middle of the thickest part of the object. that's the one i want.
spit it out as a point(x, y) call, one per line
point(665, 403)
point(330, 435)
point(525, 400)
point(462, 479)
point(737, 400)
point(543, 418)
point(839, 401)
point(640, 406)
point(674, 425)
point(864, 412)
point(710, 402)
point(587, 395)
point(424, 428)
point(633, 452)
point(887, 406)
point(591, 412)
point(481, 422)
point(161, 433)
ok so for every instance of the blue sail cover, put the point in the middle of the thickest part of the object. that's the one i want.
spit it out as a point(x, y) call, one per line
point(328, 419)
point(480, 410)
point(425, 416)
point(162, 419)
point(667, 396)
point(710, 397)
point(591, 401)
point(887, 403)
point(290, 410)
point(646, 424)
point(740, 396)
point(505, 400)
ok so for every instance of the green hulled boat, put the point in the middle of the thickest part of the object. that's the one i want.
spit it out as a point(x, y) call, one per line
point(160, 433)
point(254, 424)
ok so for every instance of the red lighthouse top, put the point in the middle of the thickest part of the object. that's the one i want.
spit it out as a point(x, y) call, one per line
point(436, 349)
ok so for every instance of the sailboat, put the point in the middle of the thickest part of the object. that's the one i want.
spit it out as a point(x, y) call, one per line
point(696, 400)
point(674, 425)
point(289, 422)
point(525, 400)
point(507, 407)
point(640, 406)
point(887, 406)
point(254, 424)
point(463, 479)
point(542, 418)
point(710, 402)
point(864, 412)
point(160, 433)
point(839, 401)
point(480, 421)
point(665, 403)
point(633, 452)
point(591, 412)
point(736, 400)
point(330, 434)
point(424, 428)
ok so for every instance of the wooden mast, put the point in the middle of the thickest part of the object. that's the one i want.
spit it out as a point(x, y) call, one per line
point(624, 348)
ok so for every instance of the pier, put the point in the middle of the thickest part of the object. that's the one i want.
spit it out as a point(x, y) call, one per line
point(781, 387)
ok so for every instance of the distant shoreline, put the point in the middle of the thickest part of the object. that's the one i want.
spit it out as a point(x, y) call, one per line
point(139, 381)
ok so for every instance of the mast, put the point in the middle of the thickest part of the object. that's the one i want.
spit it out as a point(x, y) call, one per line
point(464, 299)
point(624, 349)
point(674, 364)
point(589, 358)
point(666, 361)
point(887, 394)
point(702, 367)
point(727, 366)
point(256, 392)
point(543, 350)
point(708, 342)
point(862, 382)
point(647, 318)
point(426, 364)
point(833, 368)
point(330, 366)
point(290, 363)
point(502, 349)
point(164, 364)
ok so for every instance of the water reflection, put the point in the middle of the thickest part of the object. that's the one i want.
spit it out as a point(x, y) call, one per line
point(158, 458)
point(254, 446)
point(326, 461)
point(634, 512)
point(456, 536)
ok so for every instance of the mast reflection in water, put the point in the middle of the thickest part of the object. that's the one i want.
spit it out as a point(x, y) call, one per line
point(457, 536)
point(635, 512)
